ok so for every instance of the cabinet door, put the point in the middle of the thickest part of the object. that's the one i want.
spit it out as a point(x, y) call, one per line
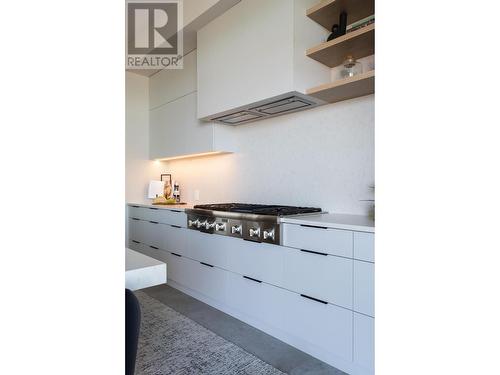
point(325, 277)
point(176, 131)
point(364, 338)
point(260, 261)
point(364, 246)
point(170, 84)
point(364, 287)
point(208, 248)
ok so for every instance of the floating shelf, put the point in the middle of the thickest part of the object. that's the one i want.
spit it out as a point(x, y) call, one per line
point(359, 43)
point(343, 89)
point(326, 13)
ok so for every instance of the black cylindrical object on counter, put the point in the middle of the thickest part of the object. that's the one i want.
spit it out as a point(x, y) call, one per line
point(342, 23)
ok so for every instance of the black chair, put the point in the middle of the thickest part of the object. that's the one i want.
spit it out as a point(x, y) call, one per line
point(132, 328)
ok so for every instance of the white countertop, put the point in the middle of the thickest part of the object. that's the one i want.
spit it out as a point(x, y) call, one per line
point(142, 271)
point(338, 221)
point(178, 207)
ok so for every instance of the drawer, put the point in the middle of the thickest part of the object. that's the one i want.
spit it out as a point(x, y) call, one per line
point(364, 246)
point(261, 261)
point(208, 248)
point(137, 230)
point(364, 339)
point(259, 301)
point(364, 290)
point(159, 215)
point(147, 250)
point(210, 281)
point(324, 240)
point(325, 277)
point(181, 270)
point(320, 325)
point(173, 239)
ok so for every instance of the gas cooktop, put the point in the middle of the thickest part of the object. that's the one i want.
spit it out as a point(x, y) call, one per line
point(254, 222)
point(258, 209)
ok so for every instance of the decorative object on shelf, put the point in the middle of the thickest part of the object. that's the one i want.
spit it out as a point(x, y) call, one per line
point(351, 68)
point(361, 23)
point(156, 191)
point(168, 185)
point(371, 212)
point(177, 192)
point(340, 28)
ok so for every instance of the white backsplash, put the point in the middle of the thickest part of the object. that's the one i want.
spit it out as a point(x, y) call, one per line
point(322, 157)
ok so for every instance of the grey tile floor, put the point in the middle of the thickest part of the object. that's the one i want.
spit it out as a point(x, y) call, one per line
point(269, 349)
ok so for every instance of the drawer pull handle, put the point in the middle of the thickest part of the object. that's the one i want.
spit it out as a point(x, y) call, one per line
point(153, 222)
point(206, 264)
point(134, 241)
point(135, 206)
point(312, 226)
point(134, 218)
point(314, 299)
point(154, 247)
point(175, 211)
point(313, 252)
point(151, 208)
point(251, 278)
point(177, 255)
point(175, 226)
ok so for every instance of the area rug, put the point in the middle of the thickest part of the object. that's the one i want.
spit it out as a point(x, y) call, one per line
point(171, 343)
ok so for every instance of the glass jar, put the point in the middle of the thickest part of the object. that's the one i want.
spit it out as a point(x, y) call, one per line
point(351, 67)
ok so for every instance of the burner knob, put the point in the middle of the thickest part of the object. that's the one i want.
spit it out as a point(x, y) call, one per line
point(193, 223)
point(220, 227)
point(269, 234)
point(254, 232)
point(209, 225)
point(201, 223)
point(236, 229)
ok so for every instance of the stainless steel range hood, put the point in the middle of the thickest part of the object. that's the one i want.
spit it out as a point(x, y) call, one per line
point(275, 106)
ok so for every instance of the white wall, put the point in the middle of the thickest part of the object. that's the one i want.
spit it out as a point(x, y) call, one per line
point(139, 170)
point(321, 157)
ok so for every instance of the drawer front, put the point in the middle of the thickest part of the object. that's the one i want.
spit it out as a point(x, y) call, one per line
point(364, 246)
point(326, 277)
point(182, 270)
point(174, 239)
point(211, 281)
point(259, 301)
point(159, 215)
point(324, 240)
point(208, 248)
point(364, 290)
point(322, 325)
point(261, 261)
point(364, 339)
point(137, 230)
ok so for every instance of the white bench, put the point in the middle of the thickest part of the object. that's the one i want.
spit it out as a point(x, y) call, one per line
point(142, 271)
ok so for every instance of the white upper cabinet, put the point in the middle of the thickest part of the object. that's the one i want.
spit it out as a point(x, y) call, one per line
point(254, 54)
point(174, 129)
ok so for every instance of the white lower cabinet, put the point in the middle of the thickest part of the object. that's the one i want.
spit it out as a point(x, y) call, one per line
point(364, 279)
point(324, 277)
point(260, 261)
point(137, 230)
point(211, 281)
point(364, 340)
point(208, 248)
point(174, 239)
point(160, 215)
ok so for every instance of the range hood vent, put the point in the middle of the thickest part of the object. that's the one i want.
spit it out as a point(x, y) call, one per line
point(279, 105)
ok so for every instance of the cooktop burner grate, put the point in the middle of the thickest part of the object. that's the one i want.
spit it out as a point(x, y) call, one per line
point(259, 209)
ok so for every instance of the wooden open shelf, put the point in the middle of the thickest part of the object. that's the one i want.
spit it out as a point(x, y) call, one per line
point(343, 89)
point(359, 43)
point(326, 13)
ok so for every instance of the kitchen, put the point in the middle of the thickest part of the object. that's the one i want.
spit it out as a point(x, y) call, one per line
point(235, 125)
point(233, 147)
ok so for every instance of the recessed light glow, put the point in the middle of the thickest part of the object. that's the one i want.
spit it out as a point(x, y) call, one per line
point(193, 155)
